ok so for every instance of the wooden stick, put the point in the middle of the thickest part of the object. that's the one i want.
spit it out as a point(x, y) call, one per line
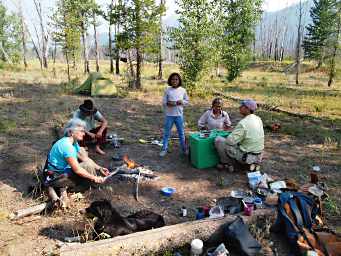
point(137, 187)
point(28, 211)
point(27, 220)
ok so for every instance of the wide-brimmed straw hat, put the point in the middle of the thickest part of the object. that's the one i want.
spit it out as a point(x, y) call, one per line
point(87, 107)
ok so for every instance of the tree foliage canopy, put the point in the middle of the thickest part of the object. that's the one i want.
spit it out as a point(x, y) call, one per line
point(10, 41)
point(239, 18)
point(195, 38)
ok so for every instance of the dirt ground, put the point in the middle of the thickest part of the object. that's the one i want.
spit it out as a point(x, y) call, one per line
point(34, 109)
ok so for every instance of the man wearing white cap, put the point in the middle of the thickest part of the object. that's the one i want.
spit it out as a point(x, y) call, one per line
point(246, 142)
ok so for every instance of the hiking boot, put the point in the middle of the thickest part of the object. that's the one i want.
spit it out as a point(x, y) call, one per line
point(163, 153)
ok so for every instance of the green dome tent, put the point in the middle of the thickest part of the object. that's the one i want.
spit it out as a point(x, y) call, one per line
point(97, 85)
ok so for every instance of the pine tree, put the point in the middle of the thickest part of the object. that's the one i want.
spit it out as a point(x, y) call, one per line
point(334, 40)
point(318, 31)
point(195, 39)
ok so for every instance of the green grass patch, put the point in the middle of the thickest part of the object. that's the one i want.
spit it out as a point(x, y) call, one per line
point(7, 125)
point(332, 207)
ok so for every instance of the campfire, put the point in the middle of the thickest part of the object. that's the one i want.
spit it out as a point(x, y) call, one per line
point(132, 170)
point(130, 163)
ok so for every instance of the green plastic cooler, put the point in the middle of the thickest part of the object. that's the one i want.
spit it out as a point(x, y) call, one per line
point(203, 152)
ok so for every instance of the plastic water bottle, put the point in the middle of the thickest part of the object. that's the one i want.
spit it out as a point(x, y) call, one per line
point(183, 211)
point(115, 141)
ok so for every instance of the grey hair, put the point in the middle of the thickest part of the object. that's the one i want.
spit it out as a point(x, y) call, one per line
point(73, 125)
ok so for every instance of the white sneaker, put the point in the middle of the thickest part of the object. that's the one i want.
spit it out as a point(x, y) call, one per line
point(163, 153)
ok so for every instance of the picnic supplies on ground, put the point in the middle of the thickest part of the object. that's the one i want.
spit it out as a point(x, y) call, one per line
point(230, 205)
point(216, 212)
point(168, 191)
point(152, 142)
point(219, 251)
point(254, 179)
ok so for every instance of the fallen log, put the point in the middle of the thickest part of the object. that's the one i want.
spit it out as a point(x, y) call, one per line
point(156, 240)
point(28, 211)
point(265, 106)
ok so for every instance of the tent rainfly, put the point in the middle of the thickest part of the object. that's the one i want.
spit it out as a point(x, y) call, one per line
point(97, 85)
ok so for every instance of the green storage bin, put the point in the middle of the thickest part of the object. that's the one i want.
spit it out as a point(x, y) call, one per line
point(203, 152)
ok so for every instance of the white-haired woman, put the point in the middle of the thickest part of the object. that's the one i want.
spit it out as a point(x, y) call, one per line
point(63, 169)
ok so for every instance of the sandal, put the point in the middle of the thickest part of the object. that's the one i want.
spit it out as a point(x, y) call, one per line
point(225, 167)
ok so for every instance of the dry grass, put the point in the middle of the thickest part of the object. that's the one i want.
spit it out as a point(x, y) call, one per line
point(32, 102)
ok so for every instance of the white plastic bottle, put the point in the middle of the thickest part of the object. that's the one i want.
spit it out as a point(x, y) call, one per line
point(196, 247)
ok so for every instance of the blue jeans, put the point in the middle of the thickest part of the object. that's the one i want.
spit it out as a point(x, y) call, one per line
point(179, 123)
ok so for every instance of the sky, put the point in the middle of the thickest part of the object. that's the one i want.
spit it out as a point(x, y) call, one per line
point(269, 5)
point(31, 17)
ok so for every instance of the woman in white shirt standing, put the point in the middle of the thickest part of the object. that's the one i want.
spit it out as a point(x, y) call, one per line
point(215, 118)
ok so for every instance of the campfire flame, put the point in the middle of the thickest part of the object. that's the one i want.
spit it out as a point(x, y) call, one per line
point(130, 163)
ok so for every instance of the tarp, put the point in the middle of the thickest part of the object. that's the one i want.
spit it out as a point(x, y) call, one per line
point(97, 85)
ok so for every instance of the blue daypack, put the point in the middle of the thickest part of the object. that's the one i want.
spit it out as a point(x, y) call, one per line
point(296, 217)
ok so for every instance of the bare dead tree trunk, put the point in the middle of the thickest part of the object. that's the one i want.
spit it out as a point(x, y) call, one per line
point(254, 47)
point(117, 49)
point(131, 67)
point(45, 51)
point(110, 38)
point(298, 45)
point(38, 47)
point(276, 49)
point(276, 40)
point(117, 52)
point(35, 48)
point(283, 41)
point(110, 51)
point(282, 53)
point(68, 65)
point(138, 69)
point(96, 41)
point(270, 51)
point(23, 35)
point(44, 35)
point(74, 62)
point(332, 70)
point(162, 2)
point(85, 50)
point(54, 58)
